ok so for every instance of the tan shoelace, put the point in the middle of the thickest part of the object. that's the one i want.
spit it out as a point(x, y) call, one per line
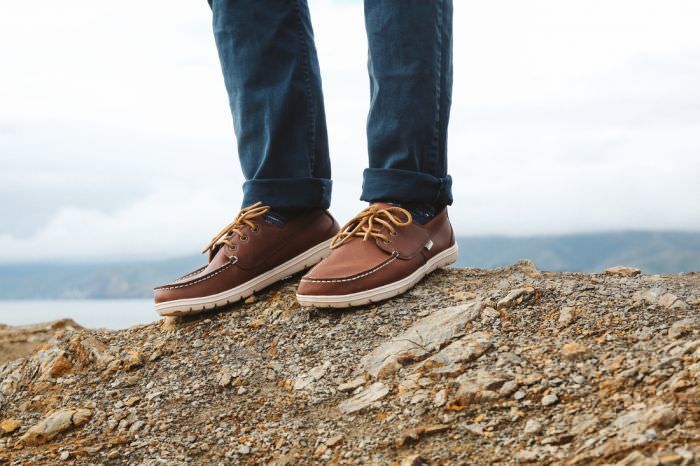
point(243, 218)
point(368, 224)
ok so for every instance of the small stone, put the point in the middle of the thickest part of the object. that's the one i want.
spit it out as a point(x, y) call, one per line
point(136, 426)
point(414, 460)
point(64, 456)
point(550, 399)
point(489, 314)
point(224, 378)
point(574, 351)
point(153, 394)
point(636, 459)
point(641, 419)
point(198, 343)
point(312, 376)
point(670, 459)
point(526, 456)
point(582, 424)
point(465, 349)
point(373, 393)
point(413, 435)
point(508, 388)
point(170, 323)
point(648, 296)
point(81, 416)
point(680, 328)
point(560, 439)
point(419, 397)
point(241, 391)
point(474, 382)
point(132, 401)
point(352, 385)
point(250, 299)
point(517, 296)
point(475, 428)
point(685, 453)
point(320, 450)
point(532, 427)
point(566, 315)
point(440, 398)
point(529, 379)
point(622, 271)
point(671, 301)
point(7, 426)
point(519, 395)
point(333, 441)
point(59, 367)
point(134, 359)
point(244, 449)
point(54, 424)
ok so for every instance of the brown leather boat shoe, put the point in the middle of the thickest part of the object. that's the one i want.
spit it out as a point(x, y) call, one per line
point(251, 253)
point(379, 254)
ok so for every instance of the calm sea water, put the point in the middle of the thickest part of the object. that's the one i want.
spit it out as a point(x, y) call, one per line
point(97, 313)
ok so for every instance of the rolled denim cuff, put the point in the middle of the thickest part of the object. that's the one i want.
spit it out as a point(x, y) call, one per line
point(288, 193)
point(390, 184)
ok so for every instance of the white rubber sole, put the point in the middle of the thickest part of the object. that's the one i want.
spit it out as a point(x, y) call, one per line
point(191, 306)
point(445, 258)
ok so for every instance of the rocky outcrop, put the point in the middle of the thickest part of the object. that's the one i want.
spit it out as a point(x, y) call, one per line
point(17, 342)
point(471, 367)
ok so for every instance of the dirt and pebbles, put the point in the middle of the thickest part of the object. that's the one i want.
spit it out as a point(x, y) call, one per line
point(503, 366)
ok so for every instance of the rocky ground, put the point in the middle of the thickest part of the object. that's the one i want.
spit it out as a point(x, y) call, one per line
point(473, 366)
point(21, 341)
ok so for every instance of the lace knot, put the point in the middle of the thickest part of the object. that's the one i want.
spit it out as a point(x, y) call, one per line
point(372, 223)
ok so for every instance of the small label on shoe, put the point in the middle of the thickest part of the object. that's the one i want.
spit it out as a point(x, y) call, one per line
point(429, 245)
point(275, 218)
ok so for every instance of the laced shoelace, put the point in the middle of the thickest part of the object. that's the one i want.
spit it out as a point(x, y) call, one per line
point(244, 218)
point(368, 224)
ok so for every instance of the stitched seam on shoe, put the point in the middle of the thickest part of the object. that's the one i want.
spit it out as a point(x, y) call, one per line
point(340, 280)
point(185, 285)
point(162, 287)
point(177, 280)
point(188, 275)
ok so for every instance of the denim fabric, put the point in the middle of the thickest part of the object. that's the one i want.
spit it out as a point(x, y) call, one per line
point(270, 68)
point(271, 71)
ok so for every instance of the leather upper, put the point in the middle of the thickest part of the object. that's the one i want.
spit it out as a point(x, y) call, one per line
point(256, 251)
point(359, 264)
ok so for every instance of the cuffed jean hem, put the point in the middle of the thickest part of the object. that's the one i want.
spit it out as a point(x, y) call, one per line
point(288, 193)
point(390, 184)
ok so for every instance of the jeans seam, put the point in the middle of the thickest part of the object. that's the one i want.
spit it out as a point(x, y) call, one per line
point(438, 88)
point(304, 46)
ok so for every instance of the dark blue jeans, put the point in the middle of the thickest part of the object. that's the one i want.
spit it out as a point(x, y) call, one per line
point(272, 76)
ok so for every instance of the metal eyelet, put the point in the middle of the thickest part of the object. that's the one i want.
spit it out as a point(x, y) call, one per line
point(254, 229)
point(244, 238)
point(233, 259)
point(387, 241)
point(393, 233)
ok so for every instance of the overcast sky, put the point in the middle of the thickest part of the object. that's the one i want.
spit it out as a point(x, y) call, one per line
point(568, 116)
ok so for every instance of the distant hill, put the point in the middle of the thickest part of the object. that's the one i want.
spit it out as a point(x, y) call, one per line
point(653, 252)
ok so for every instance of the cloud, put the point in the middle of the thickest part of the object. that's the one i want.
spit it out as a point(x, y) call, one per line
point(116, 139)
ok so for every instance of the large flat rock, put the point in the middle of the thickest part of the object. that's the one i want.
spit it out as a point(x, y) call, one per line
point(423, 338)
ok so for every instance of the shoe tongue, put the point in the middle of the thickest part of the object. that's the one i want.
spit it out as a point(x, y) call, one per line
point(220, 258)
